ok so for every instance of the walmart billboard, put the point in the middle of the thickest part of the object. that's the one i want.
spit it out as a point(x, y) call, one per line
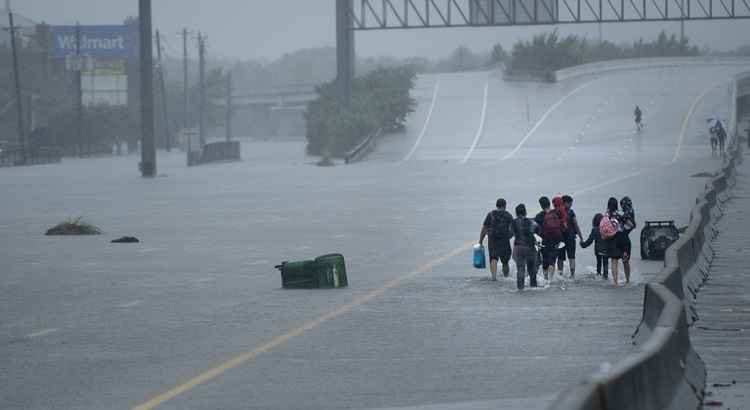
point(100, 42)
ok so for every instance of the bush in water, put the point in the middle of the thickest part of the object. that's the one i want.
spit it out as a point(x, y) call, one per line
point(74, 227)
point(380, 99)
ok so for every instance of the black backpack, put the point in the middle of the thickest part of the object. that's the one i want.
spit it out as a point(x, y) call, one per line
point(524, 233)
point(500, 225)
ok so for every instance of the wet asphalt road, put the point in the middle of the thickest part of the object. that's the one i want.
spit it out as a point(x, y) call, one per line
point(90, 325)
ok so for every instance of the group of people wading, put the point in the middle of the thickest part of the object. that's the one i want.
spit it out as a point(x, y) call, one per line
point(549, 239)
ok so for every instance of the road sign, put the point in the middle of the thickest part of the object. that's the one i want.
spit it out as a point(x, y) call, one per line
point(96, 41)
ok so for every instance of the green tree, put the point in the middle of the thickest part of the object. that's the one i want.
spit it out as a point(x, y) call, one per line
point(498, 55)
point(380, 99)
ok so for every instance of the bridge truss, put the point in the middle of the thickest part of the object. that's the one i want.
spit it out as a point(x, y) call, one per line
point(411, 14)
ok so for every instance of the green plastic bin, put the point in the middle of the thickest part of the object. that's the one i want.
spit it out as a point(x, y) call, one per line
point(332, 271)
point(299, 275)
point(327, 271)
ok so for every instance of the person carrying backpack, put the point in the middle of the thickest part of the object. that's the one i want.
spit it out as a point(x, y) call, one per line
point(497, 227)
point(609, 229)
point(524, 250)
point(553, 221)
point(600, 248)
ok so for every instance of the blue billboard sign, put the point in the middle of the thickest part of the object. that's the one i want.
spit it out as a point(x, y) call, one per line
point(97, 41)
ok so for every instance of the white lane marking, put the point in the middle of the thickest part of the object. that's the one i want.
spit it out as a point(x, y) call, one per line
point(17, 323)
point(42, 333)
point(687, 121)
point(426, 122)
point(543, 118)
point(130, 304)
point(482, 119)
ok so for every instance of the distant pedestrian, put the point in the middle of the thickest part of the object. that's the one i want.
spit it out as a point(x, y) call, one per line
point(638, 114)
point(572, 230)
point(714, 141)
point(497, 227)
point(721, 133)
point(524, 248)
point(720, 130)
point(600, 247)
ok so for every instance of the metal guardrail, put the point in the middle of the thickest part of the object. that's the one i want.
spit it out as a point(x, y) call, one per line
point(364, 148)
point(665, 373)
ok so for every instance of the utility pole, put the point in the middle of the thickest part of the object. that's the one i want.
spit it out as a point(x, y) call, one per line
point(17, 80)
point(148, 145)
point(202, 103)
point(228, 125)
point(79, 91)
point(186, 93)
point(163, 90)
point(186, 98)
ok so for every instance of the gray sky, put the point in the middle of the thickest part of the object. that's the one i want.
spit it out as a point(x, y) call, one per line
point(266, 29)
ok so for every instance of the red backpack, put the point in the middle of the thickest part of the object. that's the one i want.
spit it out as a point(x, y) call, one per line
point(552, 228)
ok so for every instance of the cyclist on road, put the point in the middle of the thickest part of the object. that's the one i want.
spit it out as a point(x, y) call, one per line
point(638, 117)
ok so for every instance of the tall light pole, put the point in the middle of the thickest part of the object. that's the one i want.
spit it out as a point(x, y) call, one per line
point(186, 98)
point(17, 80)
point(202, 85)
point(148, 145)
point(228, 126)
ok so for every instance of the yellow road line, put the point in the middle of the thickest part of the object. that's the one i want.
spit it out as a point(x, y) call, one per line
point(247, 356)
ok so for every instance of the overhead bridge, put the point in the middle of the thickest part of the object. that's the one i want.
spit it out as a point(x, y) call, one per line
point(410, 14)
point(288, 97)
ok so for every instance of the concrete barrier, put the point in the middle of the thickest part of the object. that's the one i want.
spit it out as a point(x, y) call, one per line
point(644, 63)
point(665, 372)
point(215, 152)
point(650, 378)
